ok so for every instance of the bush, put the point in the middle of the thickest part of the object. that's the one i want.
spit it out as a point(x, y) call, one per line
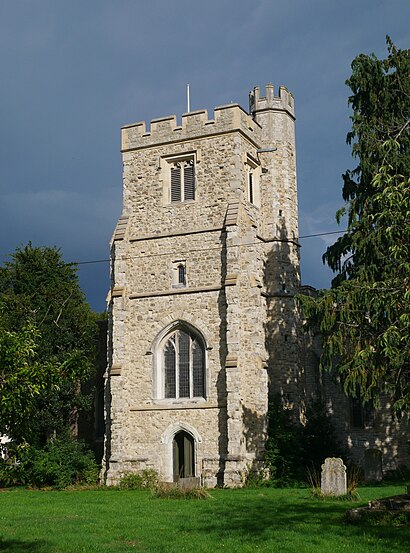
point(144, 480)
point(318, 436)
point(62, 462)
point(292, 447)
point(12, 472)
point(283, 451)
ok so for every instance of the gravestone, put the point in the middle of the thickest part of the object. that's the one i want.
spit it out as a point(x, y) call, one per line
point(333, 480)
point(373, 465)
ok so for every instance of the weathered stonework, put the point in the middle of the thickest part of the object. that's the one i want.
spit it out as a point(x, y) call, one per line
point(232, 239)
point(223, 267)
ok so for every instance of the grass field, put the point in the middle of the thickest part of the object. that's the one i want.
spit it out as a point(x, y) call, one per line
point(246, 520)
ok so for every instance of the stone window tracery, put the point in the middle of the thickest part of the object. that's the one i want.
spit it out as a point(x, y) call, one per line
point(183, 366)
point(180, 365)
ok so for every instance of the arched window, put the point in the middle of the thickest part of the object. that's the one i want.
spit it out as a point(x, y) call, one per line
point(183, 365)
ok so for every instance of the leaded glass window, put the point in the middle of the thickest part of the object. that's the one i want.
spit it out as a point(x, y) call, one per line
point(184, 367)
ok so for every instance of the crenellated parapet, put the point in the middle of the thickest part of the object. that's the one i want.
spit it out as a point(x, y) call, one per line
point(283, 102)
point(194, 124)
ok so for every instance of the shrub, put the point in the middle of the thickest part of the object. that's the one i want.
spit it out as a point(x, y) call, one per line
point(318, 436)
point(60, 463)
point(12, 469)
point(8, 473)
point(292, 447)
point(282, 454)
point(146, 479)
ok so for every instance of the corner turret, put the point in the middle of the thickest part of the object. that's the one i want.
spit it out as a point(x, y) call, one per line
point(283, 102)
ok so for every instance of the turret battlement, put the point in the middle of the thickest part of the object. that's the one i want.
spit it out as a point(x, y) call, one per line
point(283, 102)
point(194, 124)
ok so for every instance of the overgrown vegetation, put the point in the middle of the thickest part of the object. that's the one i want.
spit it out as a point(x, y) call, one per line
point(60, 463)
point(146, 479)
point(292, 448)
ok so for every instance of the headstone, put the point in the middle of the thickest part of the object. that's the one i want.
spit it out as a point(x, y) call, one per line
point(333, 481)
point(373, 465)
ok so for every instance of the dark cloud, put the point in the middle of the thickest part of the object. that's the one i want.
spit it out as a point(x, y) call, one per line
point(74, 72)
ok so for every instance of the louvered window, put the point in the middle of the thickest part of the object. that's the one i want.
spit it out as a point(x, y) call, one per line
point(184, 367)
point(183, 180)
point(189, 181)
point(176, 183)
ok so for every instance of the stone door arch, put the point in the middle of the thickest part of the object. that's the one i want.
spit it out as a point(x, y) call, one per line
point(183, 456)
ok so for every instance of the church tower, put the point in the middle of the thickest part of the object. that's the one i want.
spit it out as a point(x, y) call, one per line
point(204, 268)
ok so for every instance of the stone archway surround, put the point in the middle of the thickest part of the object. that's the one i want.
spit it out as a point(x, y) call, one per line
point(166, 462)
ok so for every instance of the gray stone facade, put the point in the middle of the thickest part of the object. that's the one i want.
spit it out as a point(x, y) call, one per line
point(206, 250)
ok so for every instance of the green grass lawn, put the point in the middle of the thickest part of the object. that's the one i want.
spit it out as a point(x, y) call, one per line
point(246, 520)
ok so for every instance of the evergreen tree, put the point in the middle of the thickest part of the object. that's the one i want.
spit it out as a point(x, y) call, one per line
point(365, 317)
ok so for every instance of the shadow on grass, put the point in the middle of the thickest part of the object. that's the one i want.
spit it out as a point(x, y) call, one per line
point(268, 518)
point(19, 546)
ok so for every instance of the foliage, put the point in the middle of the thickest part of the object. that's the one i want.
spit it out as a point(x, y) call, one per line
point(318, 436)
point(58, 464)
point(43, 311)
point(365, 318)
point(283, 452)
point(22, 379)
point(292, 447)
point(146, 479)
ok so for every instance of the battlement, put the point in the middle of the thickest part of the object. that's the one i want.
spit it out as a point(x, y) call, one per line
point(283, 102)
point(194, 124)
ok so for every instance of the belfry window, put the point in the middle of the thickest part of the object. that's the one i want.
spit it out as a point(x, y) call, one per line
point(183, 366)
point(183, 180)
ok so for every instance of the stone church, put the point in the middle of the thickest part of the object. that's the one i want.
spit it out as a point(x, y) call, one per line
point(203, 321)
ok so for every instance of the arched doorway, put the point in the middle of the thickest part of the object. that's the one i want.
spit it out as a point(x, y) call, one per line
point(183, 453)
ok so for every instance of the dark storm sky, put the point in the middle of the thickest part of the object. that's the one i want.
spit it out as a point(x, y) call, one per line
point(75, 71)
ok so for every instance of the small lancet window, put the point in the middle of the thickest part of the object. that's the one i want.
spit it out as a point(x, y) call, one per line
point(181, 275)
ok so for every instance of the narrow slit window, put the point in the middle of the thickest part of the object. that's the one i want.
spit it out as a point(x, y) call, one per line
point(251, 192)
point(181, 275)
